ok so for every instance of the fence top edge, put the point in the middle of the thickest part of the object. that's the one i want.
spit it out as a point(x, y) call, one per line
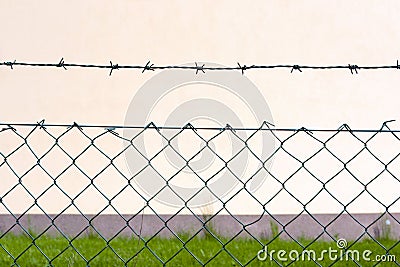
point(172, 127)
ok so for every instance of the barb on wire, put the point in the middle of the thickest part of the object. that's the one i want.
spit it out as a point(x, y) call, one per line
point(40, 124)
point(197, 68)
point(113, 67)
point(61, 64)
point(10, 64)
point(201, 68)
point(296, 67)
point(148, 66)
point(242, 68)
point(354, 67)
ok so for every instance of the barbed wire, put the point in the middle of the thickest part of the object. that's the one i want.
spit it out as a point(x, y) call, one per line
point(354, 68)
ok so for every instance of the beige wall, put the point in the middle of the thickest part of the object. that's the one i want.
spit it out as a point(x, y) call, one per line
point(225, 32)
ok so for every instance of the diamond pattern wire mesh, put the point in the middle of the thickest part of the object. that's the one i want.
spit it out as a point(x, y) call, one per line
point(70, 177)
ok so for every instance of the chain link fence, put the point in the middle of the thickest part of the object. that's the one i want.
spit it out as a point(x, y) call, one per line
point(84, 195)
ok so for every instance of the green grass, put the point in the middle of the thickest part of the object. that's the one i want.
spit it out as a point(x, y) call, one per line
point(170, 251)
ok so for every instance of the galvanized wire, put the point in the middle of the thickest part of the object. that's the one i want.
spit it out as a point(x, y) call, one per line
point(18, 130)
